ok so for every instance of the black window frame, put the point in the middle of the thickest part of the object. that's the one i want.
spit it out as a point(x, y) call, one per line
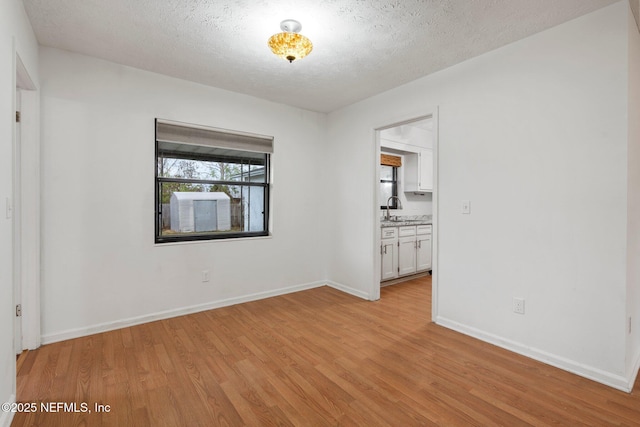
point(193, 237)
point(394, 188)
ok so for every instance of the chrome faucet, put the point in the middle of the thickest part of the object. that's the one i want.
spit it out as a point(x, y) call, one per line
point(388, 201)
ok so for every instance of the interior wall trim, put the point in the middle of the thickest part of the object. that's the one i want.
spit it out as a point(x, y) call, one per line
point(7, 417)
point(603, 377)
point(349, 290)
point(138, 320)
point(634, 373)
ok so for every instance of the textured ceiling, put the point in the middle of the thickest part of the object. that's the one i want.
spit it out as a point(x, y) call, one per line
point(361, 47)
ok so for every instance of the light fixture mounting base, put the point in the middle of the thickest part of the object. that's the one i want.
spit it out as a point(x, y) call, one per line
point(290, 26)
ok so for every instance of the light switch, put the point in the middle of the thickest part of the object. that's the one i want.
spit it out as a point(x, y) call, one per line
point(466, 207)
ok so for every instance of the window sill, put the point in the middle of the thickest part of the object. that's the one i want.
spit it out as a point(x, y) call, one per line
point(200, 242)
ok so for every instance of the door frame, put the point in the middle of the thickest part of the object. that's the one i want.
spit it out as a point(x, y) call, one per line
point(27, 217)
point(16, 220)
point(421, 115)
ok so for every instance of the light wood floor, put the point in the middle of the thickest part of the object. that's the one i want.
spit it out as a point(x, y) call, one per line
point(313, 358)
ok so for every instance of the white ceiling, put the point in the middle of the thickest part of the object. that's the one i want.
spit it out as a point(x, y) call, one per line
point(361, 47)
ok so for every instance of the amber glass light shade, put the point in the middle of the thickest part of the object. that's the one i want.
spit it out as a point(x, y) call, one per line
point(290, 46)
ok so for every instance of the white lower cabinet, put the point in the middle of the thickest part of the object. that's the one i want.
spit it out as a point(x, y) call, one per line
point(405, 250)
point(423, 250)
point(389, 251)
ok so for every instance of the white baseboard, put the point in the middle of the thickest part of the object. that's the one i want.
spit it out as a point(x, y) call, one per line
point(612, 380)
point(634, 372)
point(132, 321)
point(348, 290)
point(7, 417)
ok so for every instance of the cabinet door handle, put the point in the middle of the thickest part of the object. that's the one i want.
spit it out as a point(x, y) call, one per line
point(420, 244)
point(385, 249)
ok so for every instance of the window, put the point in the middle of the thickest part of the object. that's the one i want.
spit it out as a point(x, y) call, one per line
point(388, 186)
point(389, 165)
point(210, 183)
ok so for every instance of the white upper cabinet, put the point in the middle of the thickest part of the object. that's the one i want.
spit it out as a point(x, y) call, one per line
point(418, 172)
point(425, 176)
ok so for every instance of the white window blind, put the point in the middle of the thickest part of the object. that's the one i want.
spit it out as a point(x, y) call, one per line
point(185, 133)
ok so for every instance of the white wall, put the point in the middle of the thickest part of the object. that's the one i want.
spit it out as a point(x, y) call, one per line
point(16, 36)
point(100, 265)
point(534, 135)
point(633, 194)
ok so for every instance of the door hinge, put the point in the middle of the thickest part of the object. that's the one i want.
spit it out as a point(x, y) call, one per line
point(18, 310)
point(17, 116)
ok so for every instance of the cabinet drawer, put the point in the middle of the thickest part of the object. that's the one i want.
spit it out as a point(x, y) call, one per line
point(423, 229)
point(389, 232)
point(409, 230)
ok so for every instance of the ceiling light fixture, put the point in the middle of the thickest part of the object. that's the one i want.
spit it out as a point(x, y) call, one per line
point(289, 44)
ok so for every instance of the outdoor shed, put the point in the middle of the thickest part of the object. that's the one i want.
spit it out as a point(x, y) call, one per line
point(199, 212)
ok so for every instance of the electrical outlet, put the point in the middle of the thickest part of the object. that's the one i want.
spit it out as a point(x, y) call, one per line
point(466, 207)
point(518, 305)
point(205, 275)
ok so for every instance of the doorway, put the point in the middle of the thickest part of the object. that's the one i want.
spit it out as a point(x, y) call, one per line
point(406, 208)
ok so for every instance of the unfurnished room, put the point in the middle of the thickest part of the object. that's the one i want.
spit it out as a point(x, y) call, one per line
point(319, 213)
